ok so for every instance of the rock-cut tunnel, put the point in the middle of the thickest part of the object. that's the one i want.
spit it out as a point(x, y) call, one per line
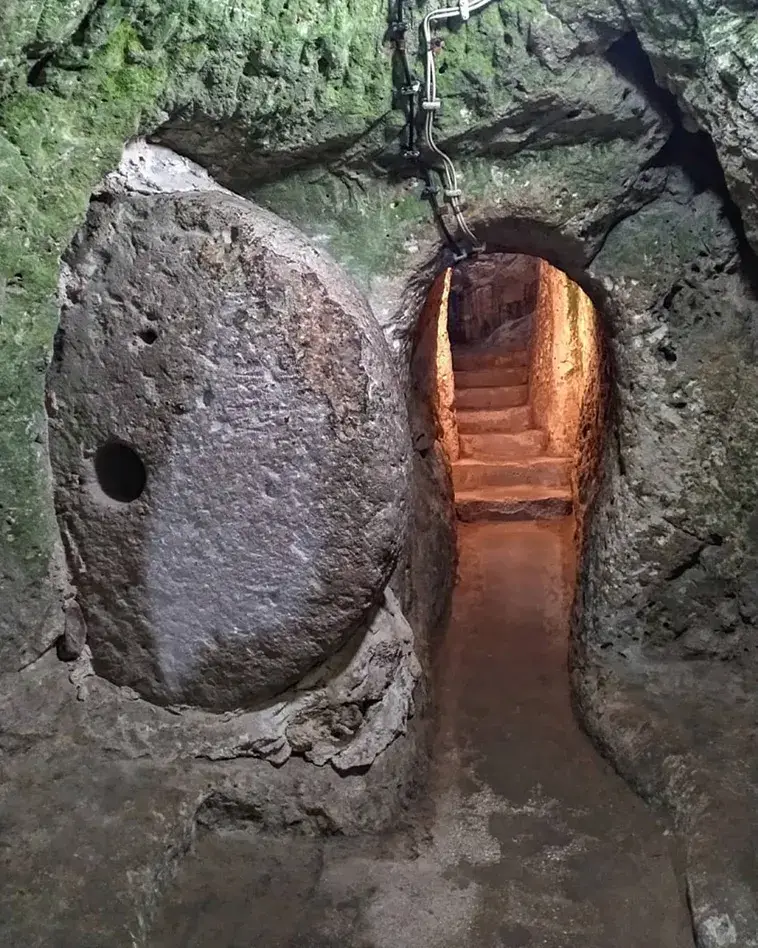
point(520, 400)
point(379, 496)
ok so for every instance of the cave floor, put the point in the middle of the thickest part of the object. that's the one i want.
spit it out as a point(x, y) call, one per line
point(530, 838)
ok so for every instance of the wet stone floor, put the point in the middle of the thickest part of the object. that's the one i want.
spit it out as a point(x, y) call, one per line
point(531, 839)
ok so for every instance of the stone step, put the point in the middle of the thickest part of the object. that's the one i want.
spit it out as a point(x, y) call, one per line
point(469, 474)
point(513, 503)
point(488, 398)
point(468, 359)
point(490, 378)
point(504, 446)
point(473, 421)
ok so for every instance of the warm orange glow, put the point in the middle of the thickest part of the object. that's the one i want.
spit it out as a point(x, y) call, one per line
point(432, 370)
point(530, 393)
point(564, 358)
point(444, 380)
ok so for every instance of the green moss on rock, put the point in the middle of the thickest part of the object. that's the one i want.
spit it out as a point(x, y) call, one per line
point(53, 149)
point(270, 88)
point(367, 226)
point(77, 79)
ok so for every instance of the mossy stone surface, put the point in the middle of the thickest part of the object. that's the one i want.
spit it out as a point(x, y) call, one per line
point(290, 102)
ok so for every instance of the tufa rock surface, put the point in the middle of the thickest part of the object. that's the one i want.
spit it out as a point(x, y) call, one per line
point(229, 448)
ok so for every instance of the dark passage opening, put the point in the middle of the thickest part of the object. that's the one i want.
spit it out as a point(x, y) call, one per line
point(120, 471)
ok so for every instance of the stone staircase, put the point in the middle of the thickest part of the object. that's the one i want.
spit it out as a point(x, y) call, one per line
point(503, 472)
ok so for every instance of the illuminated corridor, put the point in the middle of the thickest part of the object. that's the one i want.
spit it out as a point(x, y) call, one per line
point(518, 388)
point(379, 492)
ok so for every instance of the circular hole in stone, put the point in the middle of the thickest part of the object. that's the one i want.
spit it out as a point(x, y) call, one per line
point(148, 336)
point(120, 471)
point(668, 353)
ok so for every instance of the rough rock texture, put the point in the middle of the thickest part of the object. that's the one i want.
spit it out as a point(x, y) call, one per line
point(564, 363)
point(555, 851)
point(573, 145)
point(432, 379)
point(426, 571)
point(78, 80)
point(490, 293)
point(703, 53)
point(124, 783)
point(345, 713)
point(670, 728)
point(541, 118)
point(667, 550)
point(257, 392)
point(101, 792)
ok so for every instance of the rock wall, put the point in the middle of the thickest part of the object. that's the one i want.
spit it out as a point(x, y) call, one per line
point(341, 751)
point(432, 379)
point(547, 124)
point(614, 140)
point(564, 361)
point(489, 292)
point(427, 573)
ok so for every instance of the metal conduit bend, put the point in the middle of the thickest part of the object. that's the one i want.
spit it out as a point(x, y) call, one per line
point(430, 104)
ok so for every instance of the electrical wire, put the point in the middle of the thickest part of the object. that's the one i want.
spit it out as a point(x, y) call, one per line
point(410, 91)
point(431, 105)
